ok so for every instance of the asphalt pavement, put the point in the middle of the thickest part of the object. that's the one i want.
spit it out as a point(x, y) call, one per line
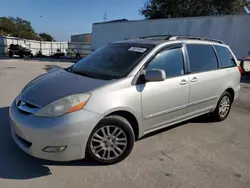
point(198, 153)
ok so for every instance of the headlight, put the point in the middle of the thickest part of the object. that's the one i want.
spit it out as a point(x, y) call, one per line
point(65, 105)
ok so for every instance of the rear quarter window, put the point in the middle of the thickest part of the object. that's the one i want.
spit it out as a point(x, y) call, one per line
point(201, 58)
point(226, 58)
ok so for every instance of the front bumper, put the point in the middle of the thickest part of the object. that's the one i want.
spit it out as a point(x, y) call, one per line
point(32, 134)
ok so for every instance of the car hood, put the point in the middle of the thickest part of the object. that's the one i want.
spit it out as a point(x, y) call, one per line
point(58, 84)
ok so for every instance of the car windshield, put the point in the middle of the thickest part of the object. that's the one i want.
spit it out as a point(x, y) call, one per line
point(112, 61)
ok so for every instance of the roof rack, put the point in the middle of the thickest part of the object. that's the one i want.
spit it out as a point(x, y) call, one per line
point(171, 37)
point(195, 38)
point(158, 37)
point(153, 37)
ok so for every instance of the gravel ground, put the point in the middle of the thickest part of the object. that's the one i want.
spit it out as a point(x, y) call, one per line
point(197, 153)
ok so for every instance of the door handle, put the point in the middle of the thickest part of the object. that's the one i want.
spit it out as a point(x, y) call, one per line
point(194, 79)
point(183, 82)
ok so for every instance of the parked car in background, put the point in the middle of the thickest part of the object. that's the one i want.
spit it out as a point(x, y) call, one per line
point(73, 53)
point(120, 92)
point(59, 53)
point(67, 53)
point(245, 64)
point(19, 50)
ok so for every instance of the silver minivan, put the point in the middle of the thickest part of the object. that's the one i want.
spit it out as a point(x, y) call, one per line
point(99, 106)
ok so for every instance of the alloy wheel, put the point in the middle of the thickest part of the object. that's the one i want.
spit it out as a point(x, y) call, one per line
point(224, 106)
point(108, 142)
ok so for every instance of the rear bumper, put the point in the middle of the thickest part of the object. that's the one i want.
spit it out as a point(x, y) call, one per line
point(32, 134)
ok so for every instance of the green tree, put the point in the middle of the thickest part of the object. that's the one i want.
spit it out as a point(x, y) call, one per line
point(46, 37)
point(18, 27)
point(154, 9)
point(7, 25)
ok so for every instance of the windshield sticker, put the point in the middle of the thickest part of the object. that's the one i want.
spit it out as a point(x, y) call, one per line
point(137, 49)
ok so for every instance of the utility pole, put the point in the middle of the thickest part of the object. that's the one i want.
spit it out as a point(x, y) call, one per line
point(70, 34)
point(41, 17)
point(105, 17)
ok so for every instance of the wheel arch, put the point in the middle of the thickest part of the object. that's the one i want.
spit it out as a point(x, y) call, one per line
point(231, 91)
point(132, 119)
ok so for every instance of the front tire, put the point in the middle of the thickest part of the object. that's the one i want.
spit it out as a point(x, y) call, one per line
point(21, 55)
point(223, 107)
point(111, 141)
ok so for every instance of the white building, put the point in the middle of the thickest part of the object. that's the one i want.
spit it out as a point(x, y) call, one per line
point(85, 38)
point(234, 30)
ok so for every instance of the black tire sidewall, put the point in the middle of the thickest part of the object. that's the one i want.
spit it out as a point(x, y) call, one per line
point(10, 54)
point(126, 127)
point(78, 56)
point(216, 112)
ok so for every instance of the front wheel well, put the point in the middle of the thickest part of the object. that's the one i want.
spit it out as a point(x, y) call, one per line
point(131, 119)
point(231, 91)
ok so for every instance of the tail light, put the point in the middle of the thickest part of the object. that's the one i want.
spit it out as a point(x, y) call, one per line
point(240, 69)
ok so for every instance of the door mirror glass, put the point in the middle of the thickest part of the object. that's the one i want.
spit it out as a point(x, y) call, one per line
point(155, 75)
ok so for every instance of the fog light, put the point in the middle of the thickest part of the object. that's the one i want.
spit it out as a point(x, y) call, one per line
point(54, 149)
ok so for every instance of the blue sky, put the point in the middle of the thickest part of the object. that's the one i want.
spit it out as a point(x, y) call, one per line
point(61, 18)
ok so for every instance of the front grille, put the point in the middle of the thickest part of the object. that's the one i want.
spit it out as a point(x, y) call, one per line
point(24, 112)
point(26, 143)
point(18, 103)
point(30, 105)
point(26, 107)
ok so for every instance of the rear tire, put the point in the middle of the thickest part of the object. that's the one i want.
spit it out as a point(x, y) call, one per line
point(78, 56)
point(111, 140)
point(223, 107)
point(10, 54)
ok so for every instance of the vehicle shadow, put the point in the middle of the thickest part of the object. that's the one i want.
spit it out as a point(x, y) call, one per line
point(16, 164)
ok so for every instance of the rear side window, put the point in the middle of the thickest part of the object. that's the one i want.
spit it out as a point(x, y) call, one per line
point(169, 60)
point(225, 57)
point(201, 58)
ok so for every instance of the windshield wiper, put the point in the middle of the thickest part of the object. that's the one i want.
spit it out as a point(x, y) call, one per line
point(93, 74)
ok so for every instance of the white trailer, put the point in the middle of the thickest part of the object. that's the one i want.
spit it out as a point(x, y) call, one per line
point(234, 30)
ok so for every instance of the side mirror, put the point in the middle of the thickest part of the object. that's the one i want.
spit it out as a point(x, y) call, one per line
point(155, 75)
